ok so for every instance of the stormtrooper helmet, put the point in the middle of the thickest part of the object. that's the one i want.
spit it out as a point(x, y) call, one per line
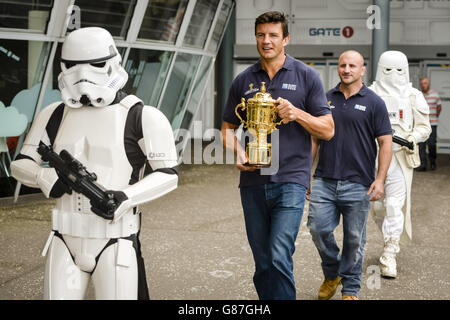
point(91, 71)
point(393, 69)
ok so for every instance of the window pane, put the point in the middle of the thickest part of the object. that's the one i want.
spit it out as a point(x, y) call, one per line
point(178, 86)
point(200, 23)
point(196, 96)
point(162, 20)
point(23, 66)
point(25, 14)
point(113, 15)
point(225, 11)
point(147, 70)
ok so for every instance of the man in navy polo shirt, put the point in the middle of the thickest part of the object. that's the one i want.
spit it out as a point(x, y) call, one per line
point(273, 204)
point(344, 180)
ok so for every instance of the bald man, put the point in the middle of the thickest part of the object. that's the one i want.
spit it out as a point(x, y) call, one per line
point(345, 181)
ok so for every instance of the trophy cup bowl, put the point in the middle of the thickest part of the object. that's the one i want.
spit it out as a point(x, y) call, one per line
point(261, 121)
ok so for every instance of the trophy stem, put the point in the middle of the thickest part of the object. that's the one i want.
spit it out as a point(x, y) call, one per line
point(259, 151)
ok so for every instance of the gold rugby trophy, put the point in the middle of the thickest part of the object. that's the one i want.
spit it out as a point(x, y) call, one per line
point(261, 121)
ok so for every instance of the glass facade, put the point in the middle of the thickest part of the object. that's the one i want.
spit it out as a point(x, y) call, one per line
point(197, 92)
point(167, 46)
point(200, 23)
point(178, 86)
point(115, 16)
point(147, 70)
point(23, 67)
point(32, 16)
point(162, 20)
point(219, 29)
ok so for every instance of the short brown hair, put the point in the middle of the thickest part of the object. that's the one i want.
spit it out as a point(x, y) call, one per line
point(274, 17)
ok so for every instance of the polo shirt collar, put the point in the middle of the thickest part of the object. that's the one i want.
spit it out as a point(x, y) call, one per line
point(362, 92)
point(288, 64)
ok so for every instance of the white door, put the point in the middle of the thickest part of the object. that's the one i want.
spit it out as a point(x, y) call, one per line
point(321, 67)
point(439, 75)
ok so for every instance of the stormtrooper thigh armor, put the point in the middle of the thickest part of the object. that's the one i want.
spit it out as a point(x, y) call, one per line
point(114, 276)
point(395, 190)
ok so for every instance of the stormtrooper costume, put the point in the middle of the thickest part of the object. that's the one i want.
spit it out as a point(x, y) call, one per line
point(131, 149)
point(408, 113)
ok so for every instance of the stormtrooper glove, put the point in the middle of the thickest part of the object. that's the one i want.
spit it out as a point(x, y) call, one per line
point(117, 203)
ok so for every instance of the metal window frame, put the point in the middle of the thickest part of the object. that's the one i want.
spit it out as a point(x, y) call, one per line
point(51, 59)
point(166, 80)
point(57, 21)
point(191, 89)
point(208, 74)
point(233, 7)
point(136, 20)
point(213, 25)
point(161, 47)
point(185, 24)
point(47, 75)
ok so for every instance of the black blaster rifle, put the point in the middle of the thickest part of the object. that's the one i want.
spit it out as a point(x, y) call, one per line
point(75, 175)
point(403, 142)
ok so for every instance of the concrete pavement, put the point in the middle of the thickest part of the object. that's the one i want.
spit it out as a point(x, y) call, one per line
point(195, 247)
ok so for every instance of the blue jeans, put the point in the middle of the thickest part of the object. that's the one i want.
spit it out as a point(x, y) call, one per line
point(273, 213)
point(329, 199)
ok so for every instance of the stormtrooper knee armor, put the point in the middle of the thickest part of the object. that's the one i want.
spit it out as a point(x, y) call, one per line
point(131, 149)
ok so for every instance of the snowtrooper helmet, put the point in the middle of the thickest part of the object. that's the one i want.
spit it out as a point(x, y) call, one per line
point(91, 71)
point(393, 69)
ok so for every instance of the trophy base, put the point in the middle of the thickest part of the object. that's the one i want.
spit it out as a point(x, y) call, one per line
point(257, 165)
point(259, 155)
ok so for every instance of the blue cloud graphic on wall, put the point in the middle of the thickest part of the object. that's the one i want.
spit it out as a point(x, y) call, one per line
point(12, 123)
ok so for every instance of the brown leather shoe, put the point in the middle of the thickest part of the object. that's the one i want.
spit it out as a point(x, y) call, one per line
point(328, 288)
point(349, 297)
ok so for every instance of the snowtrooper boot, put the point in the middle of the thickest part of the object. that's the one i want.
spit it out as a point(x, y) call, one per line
point(388, 264)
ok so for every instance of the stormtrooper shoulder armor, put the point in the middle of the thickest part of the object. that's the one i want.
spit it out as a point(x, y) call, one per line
point(43, 129)
point(420, 104)
point(159, 142)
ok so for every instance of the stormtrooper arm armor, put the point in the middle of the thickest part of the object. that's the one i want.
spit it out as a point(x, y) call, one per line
point(422, 128)
point(158, 144)
point(27, 167)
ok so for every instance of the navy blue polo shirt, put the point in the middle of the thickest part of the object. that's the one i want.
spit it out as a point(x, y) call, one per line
point(301, 85)
point(358, 121)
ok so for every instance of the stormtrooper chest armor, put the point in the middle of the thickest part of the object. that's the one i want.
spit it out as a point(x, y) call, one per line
point(95, 137)
point(400, 112)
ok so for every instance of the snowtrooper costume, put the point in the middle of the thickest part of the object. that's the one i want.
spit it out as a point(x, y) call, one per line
point(131, 149)
point(408, 113)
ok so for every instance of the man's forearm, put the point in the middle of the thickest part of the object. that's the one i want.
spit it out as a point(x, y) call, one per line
point(230, 141)
point(321, 127)
point(314, 147)
point(384, 157)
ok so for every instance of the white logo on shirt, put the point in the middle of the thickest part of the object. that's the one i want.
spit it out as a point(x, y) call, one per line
point(251, 91)
point(360, 107)
point(288, 86)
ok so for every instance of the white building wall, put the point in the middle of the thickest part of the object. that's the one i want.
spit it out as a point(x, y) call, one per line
point(345, 21)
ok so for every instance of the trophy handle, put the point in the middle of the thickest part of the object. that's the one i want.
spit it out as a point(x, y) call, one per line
point(275, 124)
point(278, 123)
point(243, 106)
